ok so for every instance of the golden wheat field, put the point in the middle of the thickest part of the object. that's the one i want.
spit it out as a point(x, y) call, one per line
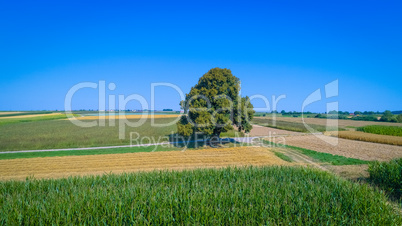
point(9, 112)
point(29, 116)
point(57, 167)
point(369, 137)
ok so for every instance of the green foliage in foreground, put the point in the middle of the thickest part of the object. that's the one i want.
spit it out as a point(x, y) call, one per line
point(268, 195)
point(323, 157)
point(387, 175)
point(383, 130)
point(283, 156)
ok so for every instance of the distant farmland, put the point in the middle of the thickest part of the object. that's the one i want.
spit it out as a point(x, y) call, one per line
point(341, 122)
point(52, 134)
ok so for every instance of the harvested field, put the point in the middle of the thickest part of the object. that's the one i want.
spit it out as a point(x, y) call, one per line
point(127, 117)
point(368, 137)
point(348, 148)
point(30, 116)
point(341, 122)
point(57, 167)
point(9, 112)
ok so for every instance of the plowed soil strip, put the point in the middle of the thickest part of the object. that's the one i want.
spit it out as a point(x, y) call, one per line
point(57, 167)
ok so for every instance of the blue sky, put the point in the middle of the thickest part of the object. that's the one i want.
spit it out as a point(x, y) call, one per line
point(274, 47)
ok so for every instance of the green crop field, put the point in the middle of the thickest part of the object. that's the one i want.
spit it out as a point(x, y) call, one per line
point(52, 134)
point(382, 130)
point(5, 121)
point(291, 126)
point(267, 195)
point(387, 175)
point(47, 132)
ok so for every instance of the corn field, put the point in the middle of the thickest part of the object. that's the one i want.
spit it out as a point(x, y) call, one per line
point(251, 195)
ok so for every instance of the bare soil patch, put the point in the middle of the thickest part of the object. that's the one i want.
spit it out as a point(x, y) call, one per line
point(348, 148)
point(57, 167)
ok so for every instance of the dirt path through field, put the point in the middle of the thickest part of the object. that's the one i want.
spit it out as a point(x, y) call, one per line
point(348, 148)
point(57, 167)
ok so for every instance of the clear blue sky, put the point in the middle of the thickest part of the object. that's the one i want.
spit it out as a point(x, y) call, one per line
point(274, 47)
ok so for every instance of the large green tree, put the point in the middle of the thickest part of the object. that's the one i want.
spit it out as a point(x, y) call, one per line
point(214, 105)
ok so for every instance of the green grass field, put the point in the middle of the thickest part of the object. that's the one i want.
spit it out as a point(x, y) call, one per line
point(382, 130)
point(51, 134)
point(230, 196)
point(291, 126)
point(5, 121)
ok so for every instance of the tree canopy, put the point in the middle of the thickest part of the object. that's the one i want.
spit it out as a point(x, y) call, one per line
point(214, 105)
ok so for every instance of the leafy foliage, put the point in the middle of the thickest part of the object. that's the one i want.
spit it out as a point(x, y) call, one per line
point(388, 117)
point(213, 106)
point(387, 175)
point(399, 118)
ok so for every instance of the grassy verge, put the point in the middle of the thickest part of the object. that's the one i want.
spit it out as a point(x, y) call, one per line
point(382, 130)
point(232, 133)
point(246, 196)
point(323, 157)
point(283, 156)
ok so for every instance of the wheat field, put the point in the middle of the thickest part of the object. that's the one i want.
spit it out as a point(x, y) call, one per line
point(58, 167)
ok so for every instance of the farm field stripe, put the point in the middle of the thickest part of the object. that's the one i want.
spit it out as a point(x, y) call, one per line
point(56, 167)
point(241, 139)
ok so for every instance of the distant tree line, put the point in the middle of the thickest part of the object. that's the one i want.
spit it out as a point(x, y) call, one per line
point(386, 116)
